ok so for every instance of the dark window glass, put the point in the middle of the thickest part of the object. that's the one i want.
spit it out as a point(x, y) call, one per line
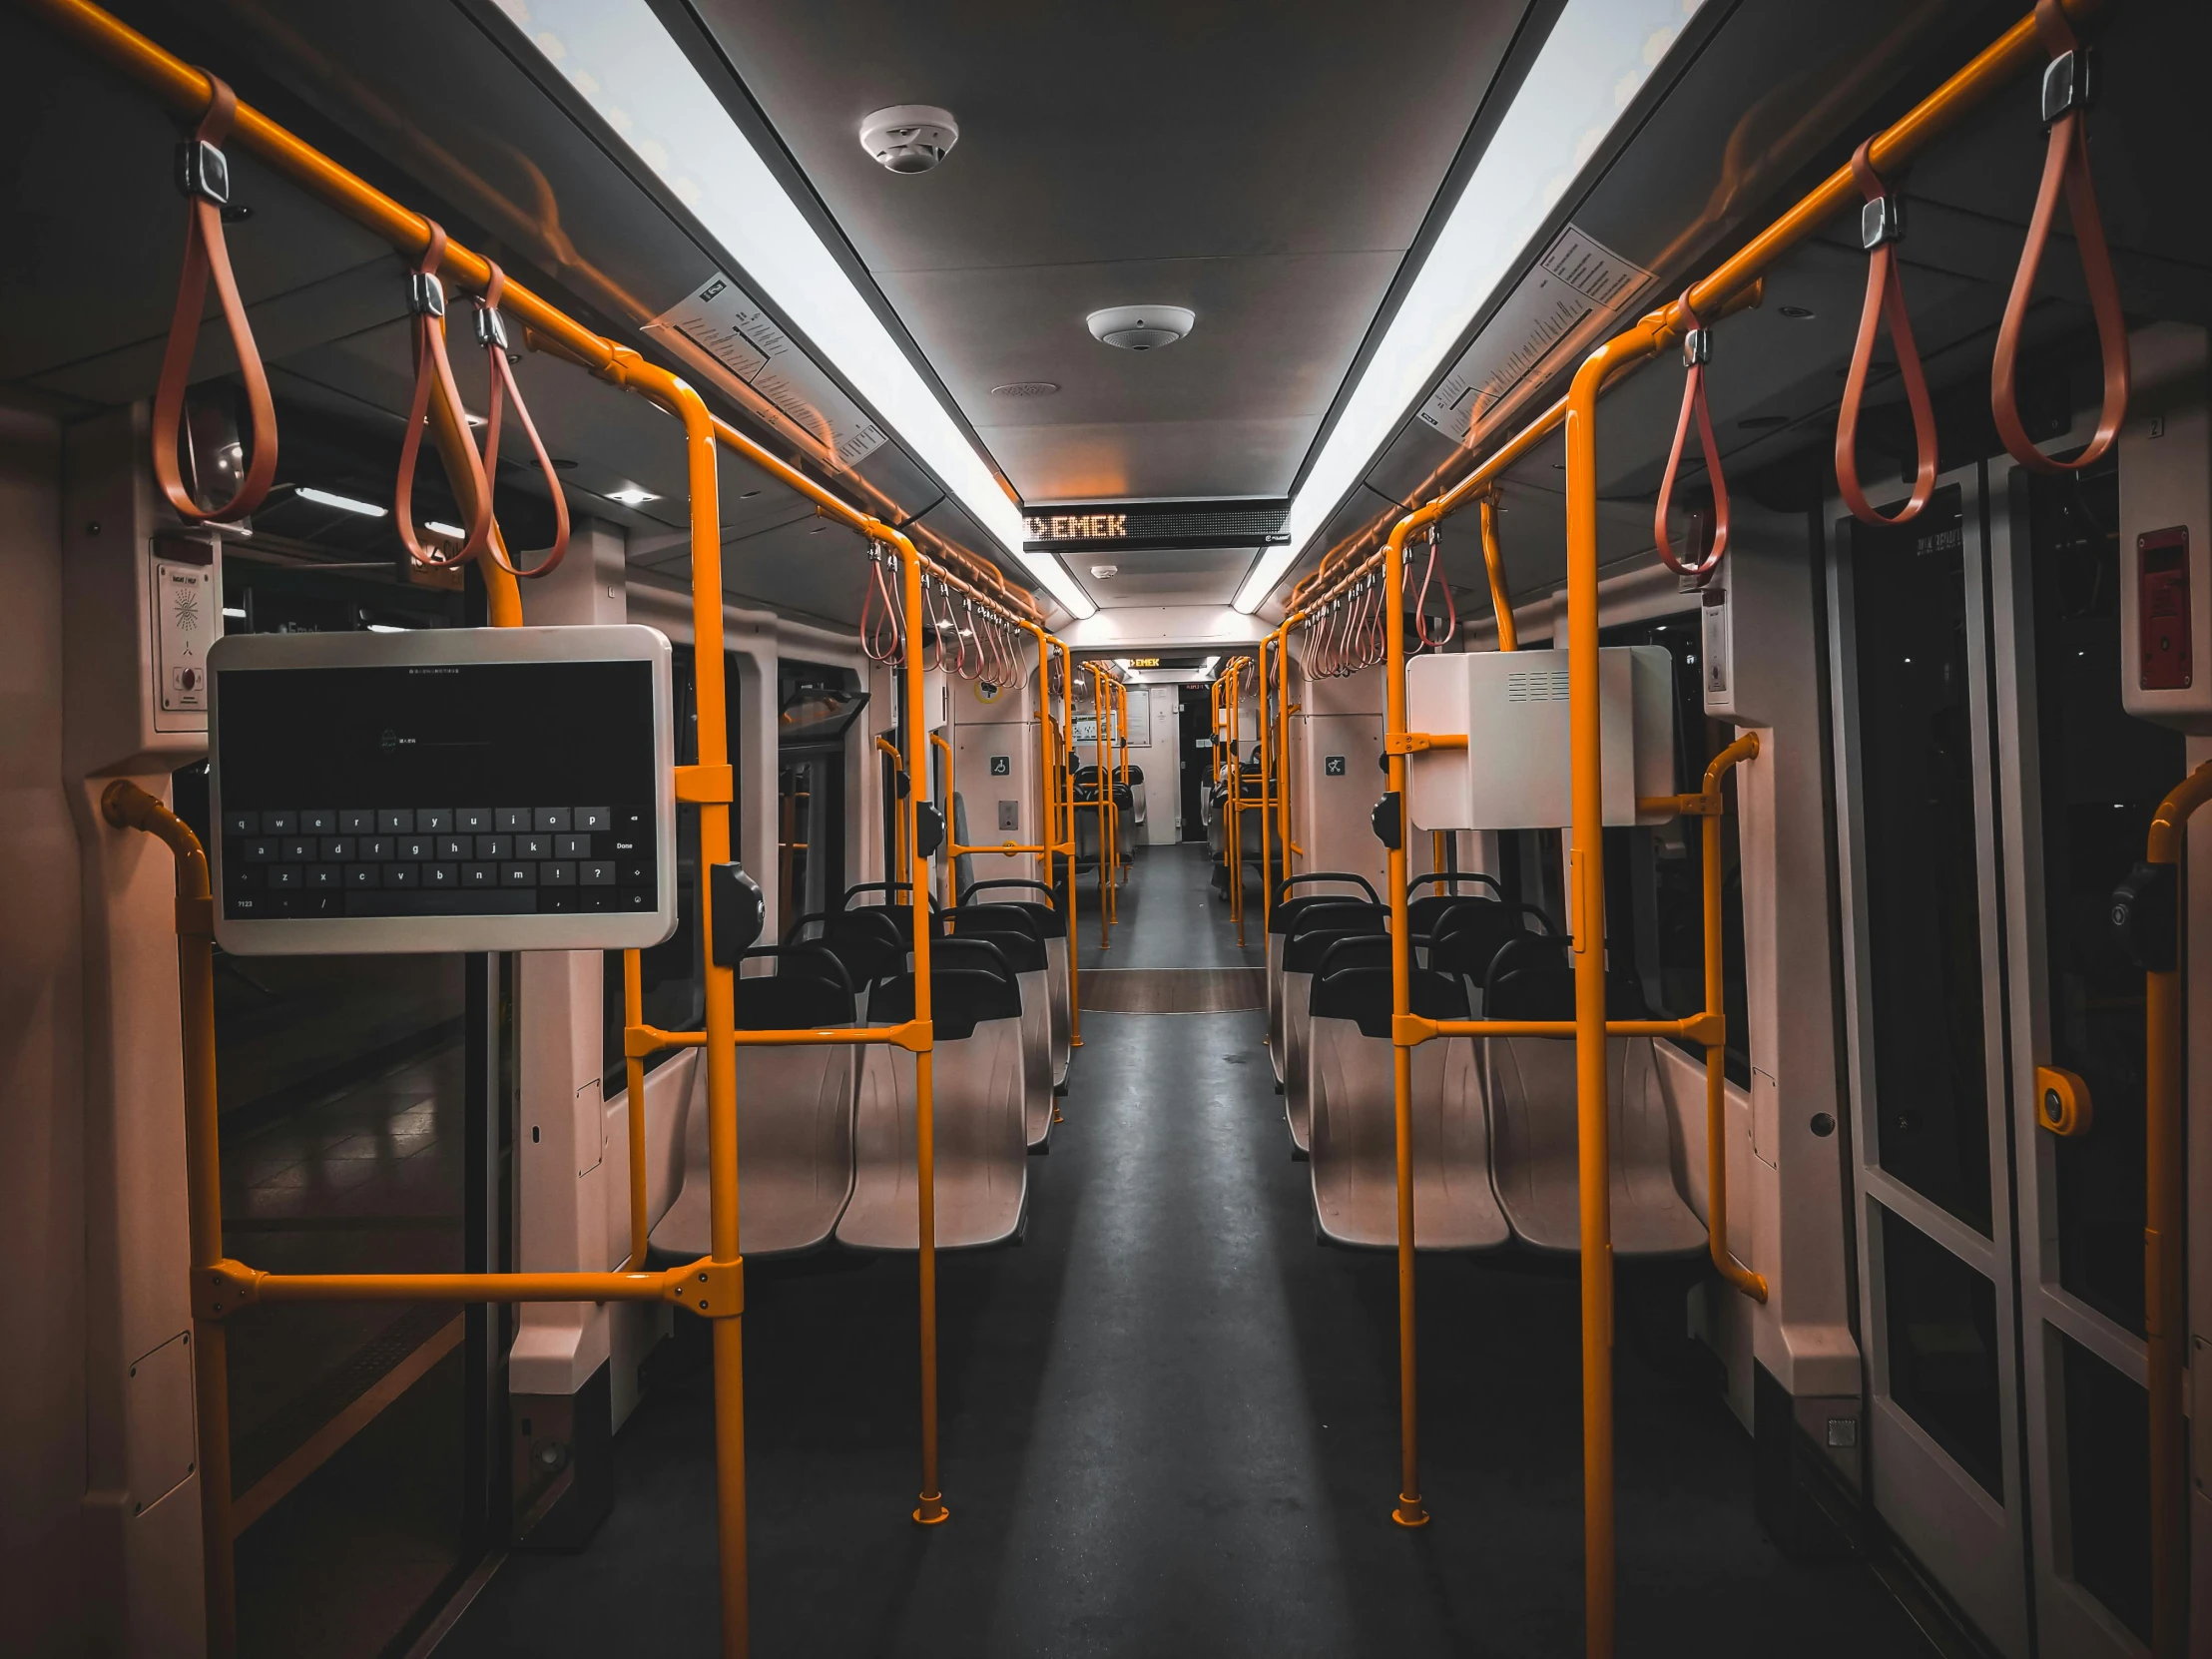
point(2109, 1483)
point(1655, 877)
point(2103, 774)
point(1922, 908)
point(1942, 1340)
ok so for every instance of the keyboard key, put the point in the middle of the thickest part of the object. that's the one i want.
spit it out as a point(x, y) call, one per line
point(472, 820)
point(242, 824)
point(572, 846)
point(556, 898)
point(394, 820)
point(311, 903)
point(441, 875)
point(326, 876)
point(376, 849)
point(415, 849)
point(597, 898)
point(403, 876)
point(356, 821)
point(634, 873)
point(479, 876)
point(284, 875)
point(593, 820)
point(558, 874)
point(319, 821)
point(633, 820)
point(244, 878)
point(259, 851)
point(495, 847)
point(337, 848)
point(279, 822)
point(533, 846)
point(551, 819)
point(636, 898)
point(251, 906)
point(512, 818)
point(299, 848)
point(361, 875)
point(518, 876)
point(433, 821)
point(456, 846)
point(596, 872)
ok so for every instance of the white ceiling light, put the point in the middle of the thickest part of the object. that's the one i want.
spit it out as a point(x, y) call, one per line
point(624, 64)
point(1141, 328)
point(438, 527)
point(910, 137)
point(1595, 60)
point(630, 496)
point(344, 503)
point(1209, 665)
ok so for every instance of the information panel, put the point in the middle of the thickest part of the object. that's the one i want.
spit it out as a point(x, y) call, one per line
point(507, 789)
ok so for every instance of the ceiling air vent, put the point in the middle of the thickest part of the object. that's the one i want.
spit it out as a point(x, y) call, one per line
point(1027, 388)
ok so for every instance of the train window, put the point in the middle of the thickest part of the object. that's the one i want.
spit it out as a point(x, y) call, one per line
point(1921, 910)
point(1655, 877)
point(672, 972)
point(2102, 776)
point(817, 707)
point(1942, 1347)
point(2107, 1482)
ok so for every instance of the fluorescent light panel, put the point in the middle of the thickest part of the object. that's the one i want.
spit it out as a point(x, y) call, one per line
point(625, 65)
point(344, 503)
point(1596, 59)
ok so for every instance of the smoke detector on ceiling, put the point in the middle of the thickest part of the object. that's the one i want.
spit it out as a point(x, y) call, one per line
point(1105, 573)
point(910, 137)
point(1141, 328)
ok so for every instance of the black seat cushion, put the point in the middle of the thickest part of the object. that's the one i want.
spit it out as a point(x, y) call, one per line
point(1352, 950)
point(959, 999)
point(1471, 931)
point(1283, 915)
point(1302, 952)
point(1364, 994)
point(1338, 914)
point(1533, 978)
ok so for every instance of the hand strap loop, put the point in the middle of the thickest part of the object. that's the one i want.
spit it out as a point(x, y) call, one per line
point(435, 372)
point(2066, 166)
point(492, 334)
point(1881, 225)
point(204, 175)
point(1697, 352)
point(1435, 642)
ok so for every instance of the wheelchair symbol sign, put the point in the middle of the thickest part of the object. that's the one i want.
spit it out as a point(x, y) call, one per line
point(1003, 766)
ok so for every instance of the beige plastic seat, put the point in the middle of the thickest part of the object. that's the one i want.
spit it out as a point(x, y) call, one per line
point(794, 1120)
point(1354, 1120)
point(1288, 907)
point(1310, 937)
point(1534, 1146)
point(1054, 924)
point(1014, 943)
point(983, 1154)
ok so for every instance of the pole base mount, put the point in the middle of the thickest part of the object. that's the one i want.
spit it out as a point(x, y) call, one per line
point(1410, 1511)
point(931, 1510)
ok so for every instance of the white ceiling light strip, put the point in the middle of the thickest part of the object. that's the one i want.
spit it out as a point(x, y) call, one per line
point(616, 54)
point(1593, 63)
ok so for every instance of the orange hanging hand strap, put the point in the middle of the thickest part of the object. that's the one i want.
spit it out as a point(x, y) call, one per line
point(1880, 228)
point(1697, 352)
point(2065, 165)
point(434, 372)
point(492, 334)
point(204, 175)
point(1434, 642)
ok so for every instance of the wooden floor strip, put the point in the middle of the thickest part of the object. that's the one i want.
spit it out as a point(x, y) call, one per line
point(1173, 990)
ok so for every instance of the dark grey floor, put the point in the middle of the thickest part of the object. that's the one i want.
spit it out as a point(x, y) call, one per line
point(1170, 1428)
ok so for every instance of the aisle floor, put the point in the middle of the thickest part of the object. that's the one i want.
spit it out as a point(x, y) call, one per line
point(1170, 1425)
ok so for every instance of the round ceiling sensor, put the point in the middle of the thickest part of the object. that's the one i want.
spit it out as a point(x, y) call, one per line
point(1105, 573)
point(1027, 388)
point(1141, 328)
point(910, 137)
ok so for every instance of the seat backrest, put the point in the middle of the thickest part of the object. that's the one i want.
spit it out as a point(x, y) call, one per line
point(1425, 911)
point(1533, 978)
point(960, 998)
point(790, 1002)
point(1283, 916)
point(811, 959)
point(866, 941)
point(894, 904)
point(1350, 950)
point(1470, 931)
point(1302, 952)
point(1005, 925)
point(1338, 914)
point(1362, 995)
point(1043, 907)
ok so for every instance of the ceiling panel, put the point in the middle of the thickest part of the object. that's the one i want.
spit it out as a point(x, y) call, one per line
point(1165, 578)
